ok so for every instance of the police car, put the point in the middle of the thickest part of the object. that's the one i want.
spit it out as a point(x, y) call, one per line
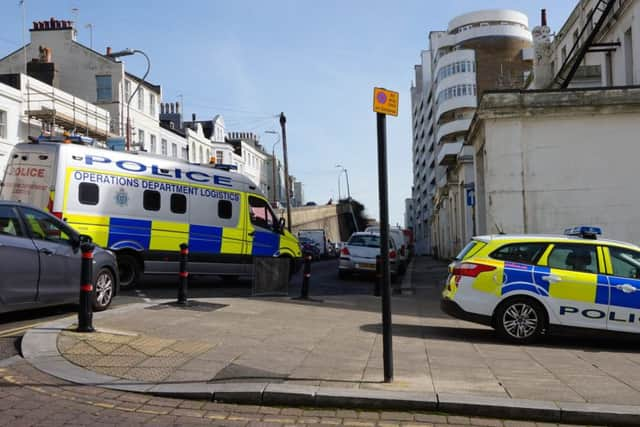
point(526, 285)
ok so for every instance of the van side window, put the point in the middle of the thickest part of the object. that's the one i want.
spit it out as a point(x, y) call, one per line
point(178, 203)
point(260, 213)
point(225, 209)
point(88, 194)
point(151, 200)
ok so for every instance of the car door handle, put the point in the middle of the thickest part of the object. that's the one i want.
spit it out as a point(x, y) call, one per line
point(627, 288)
point(551, 278)
point(46, 251)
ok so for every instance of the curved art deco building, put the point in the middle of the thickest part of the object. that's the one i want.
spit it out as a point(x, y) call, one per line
point(479, 51)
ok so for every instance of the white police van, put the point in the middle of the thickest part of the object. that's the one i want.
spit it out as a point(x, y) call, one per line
point(143, 207)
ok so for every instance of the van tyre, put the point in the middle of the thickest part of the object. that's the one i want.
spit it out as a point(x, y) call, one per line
point(103, 289)
point(129, 271)
point(520, 320)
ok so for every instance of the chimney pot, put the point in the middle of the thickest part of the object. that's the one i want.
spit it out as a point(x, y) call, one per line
point(171, 108)
point(543, 17)
point(177, 107)
point(193, 117)
point(108, 50)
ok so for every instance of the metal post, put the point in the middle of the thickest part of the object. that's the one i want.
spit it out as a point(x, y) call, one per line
point(387, 350)
point(378, 284)
point(183, 274)
point(283, 121)
point(85, 311)
point(306, 276)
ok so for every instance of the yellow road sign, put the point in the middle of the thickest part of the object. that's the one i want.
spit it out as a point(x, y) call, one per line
point(385, 101)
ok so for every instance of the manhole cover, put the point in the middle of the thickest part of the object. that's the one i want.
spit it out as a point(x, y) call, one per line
point(240, 373)
point(191, 305)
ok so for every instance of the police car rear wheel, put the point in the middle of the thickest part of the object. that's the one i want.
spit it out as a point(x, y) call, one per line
point(520, 320)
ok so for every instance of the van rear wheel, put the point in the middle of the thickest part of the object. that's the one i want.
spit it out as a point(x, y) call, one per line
point(128, 270)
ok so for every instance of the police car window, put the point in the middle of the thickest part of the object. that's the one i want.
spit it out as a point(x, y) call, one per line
point(151, 200)
point(88, 194)
point(225, 210)
point(574, 257)
point(525, 253)
point(260, 213)
point(44, 227)
point(9, 224)
point(625, 263)
point(178, 203)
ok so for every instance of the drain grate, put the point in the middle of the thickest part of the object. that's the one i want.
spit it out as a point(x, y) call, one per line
point(240, 373)
point(191, 306)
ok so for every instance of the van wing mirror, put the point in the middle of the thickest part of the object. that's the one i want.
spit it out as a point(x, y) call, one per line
point(281, 224)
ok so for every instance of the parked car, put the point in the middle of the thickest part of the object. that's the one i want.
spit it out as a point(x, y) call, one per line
point(526, 286)
point(41, 261)
point(309, 247)
point(400, 242)
point(358, 255)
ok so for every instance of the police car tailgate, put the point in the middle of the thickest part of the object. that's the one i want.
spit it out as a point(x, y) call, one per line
point(29, 176)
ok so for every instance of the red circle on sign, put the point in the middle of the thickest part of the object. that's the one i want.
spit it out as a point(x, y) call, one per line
point(382, 97)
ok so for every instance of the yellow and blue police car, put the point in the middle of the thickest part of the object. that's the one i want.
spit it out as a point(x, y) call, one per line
point(526, 285)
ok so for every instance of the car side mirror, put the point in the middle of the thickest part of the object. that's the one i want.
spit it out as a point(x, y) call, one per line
point(281, 224)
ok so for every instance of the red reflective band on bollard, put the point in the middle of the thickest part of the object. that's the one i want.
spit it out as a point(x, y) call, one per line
point(184, 251)
point(184, 274)
point(86, 288)
point(87, 255)
point(307, 275)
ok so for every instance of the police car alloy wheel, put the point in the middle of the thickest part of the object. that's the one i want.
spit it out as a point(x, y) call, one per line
point(520, 320)
point(103, 289)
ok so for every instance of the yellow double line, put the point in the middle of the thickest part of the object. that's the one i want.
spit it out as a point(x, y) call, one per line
point(10, 332)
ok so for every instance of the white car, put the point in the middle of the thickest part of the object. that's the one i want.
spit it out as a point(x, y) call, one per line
point(398, 238)
point(358, 255)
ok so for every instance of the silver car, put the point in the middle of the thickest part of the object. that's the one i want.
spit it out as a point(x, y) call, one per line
point(41, 260)
point(358, 255)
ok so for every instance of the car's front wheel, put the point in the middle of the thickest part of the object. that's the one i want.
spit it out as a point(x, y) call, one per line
point(104, 287)
point(520, 320)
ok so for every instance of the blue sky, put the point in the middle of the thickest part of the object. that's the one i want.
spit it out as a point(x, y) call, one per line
point(317, 61)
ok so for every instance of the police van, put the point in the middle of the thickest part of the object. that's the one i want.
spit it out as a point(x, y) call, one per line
point(143, 207)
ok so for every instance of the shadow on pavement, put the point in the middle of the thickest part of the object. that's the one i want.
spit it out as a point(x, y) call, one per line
point(609, 342)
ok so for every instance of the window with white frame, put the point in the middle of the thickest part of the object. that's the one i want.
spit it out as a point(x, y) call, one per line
point(219, 157)
point(103, 85)
point(152, 144)
point(163, 147)
point(200, 152)
point(185, 153)
point(174, 150)
point(141, 137)
point(152, 104)
point(3, 124)
point(141, 99)
point(127, 90)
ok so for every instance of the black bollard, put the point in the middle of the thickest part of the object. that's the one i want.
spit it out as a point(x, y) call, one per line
point(306, 275)
point(184, 274)
point(85, 311)
point(376, 291)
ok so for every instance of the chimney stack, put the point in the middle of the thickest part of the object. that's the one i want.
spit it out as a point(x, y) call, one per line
point(108, 50)
point(177, 108)
point(543, 17)
point(193, 117)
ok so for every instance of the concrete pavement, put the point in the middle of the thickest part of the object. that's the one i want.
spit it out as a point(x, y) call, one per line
point(329, 353)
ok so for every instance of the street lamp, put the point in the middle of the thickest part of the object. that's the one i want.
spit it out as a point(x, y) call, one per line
point(128, 52)
point(273, 166)
point(353, 215)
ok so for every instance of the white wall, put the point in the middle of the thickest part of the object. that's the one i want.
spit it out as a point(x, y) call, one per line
point(10, 104)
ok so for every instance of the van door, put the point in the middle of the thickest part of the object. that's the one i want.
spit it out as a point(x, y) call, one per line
point(28, 177)
point(19, 266)
point(263, 237)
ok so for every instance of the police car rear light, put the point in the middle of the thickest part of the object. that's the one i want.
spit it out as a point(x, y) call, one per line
point(470, 269)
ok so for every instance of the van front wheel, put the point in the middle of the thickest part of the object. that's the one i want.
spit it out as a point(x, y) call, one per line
point(129, 271)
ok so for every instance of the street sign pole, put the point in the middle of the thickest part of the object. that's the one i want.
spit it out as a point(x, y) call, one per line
point(387, 347)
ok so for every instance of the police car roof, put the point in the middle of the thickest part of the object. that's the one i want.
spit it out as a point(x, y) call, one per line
point(555, 237)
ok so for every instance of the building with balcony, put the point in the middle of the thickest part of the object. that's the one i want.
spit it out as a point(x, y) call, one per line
point(482, 50)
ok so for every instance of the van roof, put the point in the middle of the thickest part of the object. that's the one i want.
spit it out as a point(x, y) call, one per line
point(238, 181)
